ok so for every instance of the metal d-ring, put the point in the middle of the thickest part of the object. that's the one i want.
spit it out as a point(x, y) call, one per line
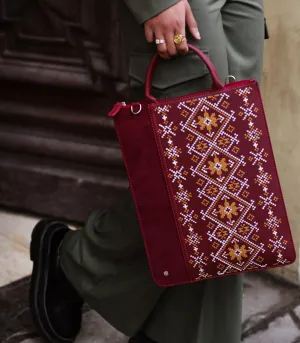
point(228, 78)
point(137, 112)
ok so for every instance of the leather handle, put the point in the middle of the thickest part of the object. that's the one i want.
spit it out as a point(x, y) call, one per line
point(217, 84)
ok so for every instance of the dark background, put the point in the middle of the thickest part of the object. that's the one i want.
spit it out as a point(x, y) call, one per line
point(60, 63)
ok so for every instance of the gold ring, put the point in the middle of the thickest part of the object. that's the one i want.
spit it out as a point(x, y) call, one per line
point(178, 39)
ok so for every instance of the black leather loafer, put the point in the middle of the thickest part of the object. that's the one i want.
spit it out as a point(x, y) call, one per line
point(55, 305)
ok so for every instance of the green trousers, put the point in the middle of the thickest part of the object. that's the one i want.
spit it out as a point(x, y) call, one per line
point(106, 261)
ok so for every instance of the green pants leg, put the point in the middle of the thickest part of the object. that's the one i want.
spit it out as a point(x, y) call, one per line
point(106, 261)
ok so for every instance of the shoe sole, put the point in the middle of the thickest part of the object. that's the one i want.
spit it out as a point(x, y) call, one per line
point(39, 255)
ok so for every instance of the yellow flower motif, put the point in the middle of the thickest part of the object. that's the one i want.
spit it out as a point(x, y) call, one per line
point(222, 233)
point(212, 190)
point(208, 121)
point(224, 141)
point(243, 229)
point(238, 252)
point(218, 166)
point(228, 210)
point(202, 146)
point(234, 186)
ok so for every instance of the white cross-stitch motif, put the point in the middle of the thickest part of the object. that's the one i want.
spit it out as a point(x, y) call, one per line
point(219, 170)
point(267, 202)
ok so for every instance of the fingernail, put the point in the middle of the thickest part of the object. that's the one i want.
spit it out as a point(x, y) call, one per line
point(197, 33)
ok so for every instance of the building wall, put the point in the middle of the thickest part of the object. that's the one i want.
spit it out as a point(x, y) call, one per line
point(59, 155)
point(281, 92)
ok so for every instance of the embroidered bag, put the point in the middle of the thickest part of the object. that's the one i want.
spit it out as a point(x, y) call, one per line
point(204, 181)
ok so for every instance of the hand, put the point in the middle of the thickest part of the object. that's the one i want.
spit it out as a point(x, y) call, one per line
point(167, 24)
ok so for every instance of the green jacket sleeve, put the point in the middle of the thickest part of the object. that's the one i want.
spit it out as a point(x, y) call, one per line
point(144, 10)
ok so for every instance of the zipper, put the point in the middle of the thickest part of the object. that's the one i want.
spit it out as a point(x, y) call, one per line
point(136, 108)
point(116, 109)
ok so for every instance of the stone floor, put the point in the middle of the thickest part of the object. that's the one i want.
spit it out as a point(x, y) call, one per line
point(271, 312)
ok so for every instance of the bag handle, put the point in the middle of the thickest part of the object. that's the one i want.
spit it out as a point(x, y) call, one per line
point(217, 84)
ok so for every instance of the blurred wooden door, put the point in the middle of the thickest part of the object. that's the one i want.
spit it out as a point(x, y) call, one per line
point(58, 151)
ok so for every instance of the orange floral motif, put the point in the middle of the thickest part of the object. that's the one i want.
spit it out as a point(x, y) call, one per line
point(225, 104)
point(205, 202)
point(218, 166)
point(240, 173)
point(243, 229)
point(213, 97)
point(212, 190)
point(237, 252)
point(184, 113)
point(192, 102)
point(219, 179)
point(207, 122)
point(235, 149)
point(190, 137)
point(234, 186)
point(202, 146)
point(228, 210)
point(230, 129)
point(222, 233)
point(224, 141)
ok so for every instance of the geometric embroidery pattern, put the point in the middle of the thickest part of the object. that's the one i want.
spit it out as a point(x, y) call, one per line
point(221, 174)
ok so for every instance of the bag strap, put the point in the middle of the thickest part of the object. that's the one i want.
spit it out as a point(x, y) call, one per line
point(217, 84)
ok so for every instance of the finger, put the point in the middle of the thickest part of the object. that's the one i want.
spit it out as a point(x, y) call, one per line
point(162, 47)
point(182, 48)
point(171, 47)
point(191, 23)
point(149, 34)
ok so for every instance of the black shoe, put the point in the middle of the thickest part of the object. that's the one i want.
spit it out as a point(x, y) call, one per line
point(55, 305)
